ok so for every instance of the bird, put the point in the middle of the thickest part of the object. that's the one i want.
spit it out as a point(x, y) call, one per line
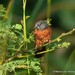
point(42, 35)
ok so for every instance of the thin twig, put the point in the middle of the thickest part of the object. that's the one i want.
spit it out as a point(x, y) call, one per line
point(63, 34)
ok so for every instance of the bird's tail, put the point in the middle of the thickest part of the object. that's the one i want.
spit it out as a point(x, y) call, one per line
point(38, 50)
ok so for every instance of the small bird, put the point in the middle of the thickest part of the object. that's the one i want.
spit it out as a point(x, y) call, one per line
point(42, 35)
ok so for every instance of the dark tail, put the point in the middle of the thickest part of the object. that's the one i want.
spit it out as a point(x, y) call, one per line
point(38, 50)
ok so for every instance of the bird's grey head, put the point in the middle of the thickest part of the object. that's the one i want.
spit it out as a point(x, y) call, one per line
point(41, 25)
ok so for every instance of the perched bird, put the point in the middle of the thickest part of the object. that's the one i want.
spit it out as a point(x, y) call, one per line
point(42, 35)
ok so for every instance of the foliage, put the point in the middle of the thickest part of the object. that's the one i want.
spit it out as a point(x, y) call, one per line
point(14, 51)
point(12, 46)
point(22, 63)
point(2, 11)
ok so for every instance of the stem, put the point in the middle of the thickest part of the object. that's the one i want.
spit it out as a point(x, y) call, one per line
point(48, 9)
point(25, 35)
point(24, 20)
point(28, 65)
point(22, 66)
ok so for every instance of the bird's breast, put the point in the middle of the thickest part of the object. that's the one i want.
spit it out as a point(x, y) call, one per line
point(42, 36)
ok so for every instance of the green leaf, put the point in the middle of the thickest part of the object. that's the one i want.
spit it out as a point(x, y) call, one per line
point(58, 39)
point(66, 44)
point(18, 26)
point(28, 40)
point(27, 17)
point(48, 21)
point(2, 11)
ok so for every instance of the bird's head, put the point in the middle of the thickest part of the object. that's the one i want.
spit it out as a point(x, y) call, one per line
point(41, 25)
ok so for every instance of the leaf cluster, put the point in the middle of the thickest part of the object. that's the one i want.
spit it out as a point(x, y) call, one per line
point(22, 63)
point(2, 11)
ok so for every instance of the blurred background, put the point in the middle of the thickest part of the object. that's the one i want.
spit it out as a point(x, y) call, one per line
point(63, 20)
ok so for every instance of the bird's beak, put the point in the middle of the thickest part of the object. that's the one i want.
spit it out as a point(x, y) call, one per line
point(35, 26)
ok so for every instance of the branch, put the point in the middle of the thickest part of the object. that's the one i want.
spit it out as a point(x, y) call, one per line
point(58, 39)
point(22, 66)
point(64, 44)
point(48, 50)
point(63, 34)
